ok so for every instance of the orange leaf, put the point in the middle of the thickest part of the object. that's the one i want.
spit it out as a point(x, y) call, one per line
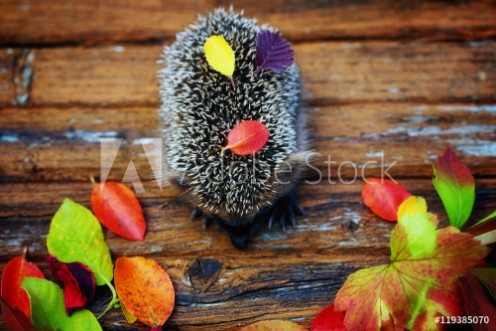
point(12, 276)
point(384, 197)
point(273, 325)
point(145, 289)
point(116, 207)
point(247, 137)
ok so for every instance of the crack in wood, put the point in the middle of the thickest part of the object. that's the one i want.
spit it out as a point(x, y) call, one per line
point(23, 75)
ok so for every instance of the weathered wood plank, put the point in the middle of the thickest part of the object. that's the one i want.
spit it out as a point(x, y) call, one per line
point(280, 276)
point(368, 137)
point(332, 72)
point(7, 73)
point(59, 21)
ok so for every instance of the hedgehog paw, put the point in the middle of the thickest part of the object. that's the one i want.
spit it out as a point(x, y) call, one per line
point(284, 211)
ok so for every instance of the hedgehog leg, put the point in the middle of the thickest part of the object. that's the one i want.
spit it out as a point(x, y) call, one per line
point(284, 211)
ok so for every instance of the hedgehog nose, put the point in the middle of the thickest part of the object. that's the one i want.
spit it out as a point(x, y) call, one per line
point(240, 241)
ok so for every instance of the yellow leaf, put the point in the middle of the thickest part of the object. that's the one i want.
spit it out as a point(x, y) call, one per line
point(411, 206)
point(220, 55)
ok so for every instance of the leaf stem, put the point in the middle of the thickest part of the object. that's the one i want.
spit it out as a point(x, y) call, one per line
point(114, 300)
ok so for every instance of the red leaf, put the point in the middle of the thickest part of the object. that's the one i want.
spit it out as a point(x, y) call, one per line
point(383, 197)
point(78, 280)
point(477, 302)
point(13, 274)
point(17, 319)
point(329, 320)
point(247, 137)
point(116, 207)
point(449, 165)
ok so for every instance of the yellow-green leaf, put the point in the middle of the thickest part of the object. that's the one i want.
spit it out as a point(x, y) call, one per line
point(220, 55)
point(411, 206)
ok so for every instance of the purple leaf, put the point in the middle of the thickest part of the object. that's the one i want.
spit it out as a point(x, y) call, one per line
point(273, 52)
point(78, 280)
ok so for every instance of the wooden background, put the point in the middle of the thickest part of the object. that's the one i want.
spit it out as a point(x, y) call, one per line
point(398, 80)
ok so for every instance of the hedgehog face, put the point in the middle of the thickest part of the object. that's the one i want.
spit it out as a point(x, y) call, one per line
point(200, 107)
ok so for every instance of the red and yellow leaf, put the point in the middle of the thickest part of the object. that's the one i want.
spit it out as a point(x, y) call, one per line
point(248, 137)
point(383, 197)
point(385, 296)
point(118, 209)
point(78, 280)
point(11, 291)
point(456, 187)
point(273, 325)
point(329, 320)
point(145, 289)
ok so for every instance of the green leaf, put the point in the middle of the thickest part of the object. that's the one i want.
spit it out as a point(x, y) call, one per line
point(456, 187)
point(48, 310)
point(76, 236)
point(484, 220)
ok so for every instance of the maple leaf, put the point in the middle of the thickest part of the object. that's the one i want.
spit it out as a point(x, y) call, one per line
point(386, 296)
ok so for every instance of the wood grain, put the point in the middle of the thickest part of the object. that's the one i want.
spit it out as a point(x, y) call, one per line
point(332, 72)
point(258, 283)
point(387, 81)
point(69, 21)
point(371, 138)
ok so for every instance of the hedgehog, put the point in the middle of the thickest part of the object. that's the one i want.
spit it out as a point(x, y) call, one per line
point(199, 107)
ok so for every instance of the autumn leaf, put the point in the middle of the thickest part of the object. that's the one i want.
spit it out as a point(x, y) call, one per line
point(273, 52)
point(48, 311)
point(477, 302)
point(248, 137)
point(383, 197)
point(145, 289)
point(13, 274)
point(411, 206)
point(17, 320)
point(78, 280)
point(117, 208)
point(456, 187)
point(75, 235)
point(273, 325)
point(386, 295)
point(220, 56)
point(488, 277)
point(328, 319)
